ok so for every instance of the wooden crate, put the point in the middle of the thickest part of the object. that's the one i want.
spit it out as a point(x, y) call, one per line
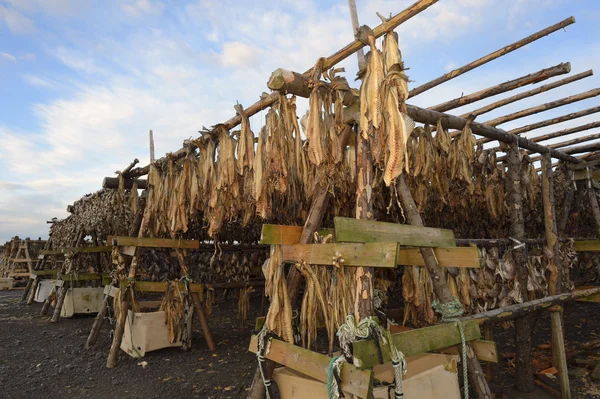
point(82, 301)
point(145, 332)
point(428, 376)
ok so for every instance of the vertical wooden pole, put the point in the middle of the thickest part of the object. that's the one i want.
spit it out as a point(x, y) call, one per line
point(32, 291)
point(595, 208)
point(201, 315)
point(113, 354)
point(46, 305)
point(59, 302)
point(440, 287)
point(558, 349)
point(27, 289)
point(355, 25)
point(98, 322)
point(363, 303)
point(550, 227)
point(488, 334)
point(524, 325)
point(151, 137)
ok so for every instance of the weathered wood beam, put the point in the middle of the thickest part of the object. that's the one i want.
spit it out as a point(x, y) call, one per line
point(356, 230)
point(582, 148)
point(550, 227)
point(543, 107)
point(492, 56)
point(595, 208)
point(532, 78)
point(568, 143)
point(151, 242)
point(454, 122)
point(529, 93)
point(558, 351)
point(553, 121)
point(382, 254)
point(521, 309)
point(113, 182)
point(414, 342)
point(524, 380)
point(565, 132)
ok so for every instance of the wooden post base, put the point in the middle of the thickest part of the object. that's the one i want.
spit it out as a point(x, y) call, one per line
point(98, 322)
point(558, 352)
point(199, 309)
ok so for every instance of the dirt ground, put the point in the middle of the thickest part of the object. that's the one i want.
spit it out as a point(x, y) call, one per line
point(41, 359)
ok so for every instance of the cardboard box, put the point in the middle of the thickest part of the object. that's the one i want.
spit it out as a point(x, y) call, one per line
point(145, 332)
point(428, 376)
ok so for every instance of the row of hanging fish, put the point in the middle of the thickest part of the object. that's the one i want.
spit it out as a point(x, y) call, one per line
point(492, 286)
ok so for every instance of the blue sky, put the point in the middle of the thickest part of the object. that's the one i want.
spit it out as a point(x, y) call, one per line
point(83, 81)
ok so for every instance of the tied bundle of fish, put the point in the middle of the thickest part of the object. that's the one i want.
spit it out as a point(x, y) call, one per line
point(226, 267)
point(383, 119)
point(279, 315)
point(174, 305)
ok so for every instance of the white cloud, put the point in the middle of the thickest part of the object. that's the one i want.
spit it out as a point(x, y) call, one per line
point(51, 7)
point(236, 54)
point(7, 56)
point(138, 8)
point(16, 22)
point(76, 60)
point(39, 82)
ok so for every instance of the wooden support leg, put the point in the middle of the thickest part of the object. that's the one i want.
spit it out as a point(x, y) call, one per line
point(27, 289)
point(113, 354)
point(34, 286)
point(59, 303)
point(47, 302)
point(558, 352)
point(97, 327)
point(488, 334)
point(199, 309)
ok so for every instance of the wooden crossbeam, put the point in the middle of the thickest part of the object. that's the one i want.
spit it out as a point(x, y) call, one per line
point(88, 249)
point(150, 286)
point(362, 230)
point(592, 298)
point(587, 246)
point(583, 175)
point(413, 342)
point(315, 365)
point(484, 350)
point(381, 254)
point(152, 242)
point(447, 257)
point(51, 252)
point(275, 234)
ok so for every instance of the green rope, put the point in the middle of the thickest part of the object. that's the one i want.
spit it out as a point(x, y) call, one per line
point(330, 386)
point(450, 312)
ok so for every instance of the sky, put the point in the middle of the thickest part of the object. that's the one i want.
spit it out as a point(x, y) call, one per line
point(82, 81)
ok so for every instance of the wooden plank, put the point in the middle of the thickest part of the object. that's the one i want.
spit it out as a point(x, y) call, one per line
point(362, 230)
point(413, 342)
point(46, 272)
point(381, 254)
point(51, 252)
point(315, 365)
point(82, 277)
point(89, 249)
point(484, 350)
point(17, 274)
point(583, 165)
point(148, 286)
point(587, 246)
point(447, 257)
point(584, 175)
point(274, 234)
point(152, 242)
point(592, 298)
point(15, 260)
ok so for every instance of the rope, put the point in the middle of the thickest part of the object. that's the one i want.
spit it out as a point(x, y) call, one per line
point(350, 332)
point(450, 312)
point(263, 338)
point(334, 379)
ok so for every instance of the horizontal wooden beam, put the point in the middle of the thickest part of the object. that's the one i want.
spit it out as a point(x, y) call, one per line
point(151, 242)
point(315, 365)
point(532, 78)
point(588, 245)
point(275, 234)
point(381, 254)
point(151, 286)
point(51, 252)
point(484, 350)
point(414, 342)
point(492, 56)
point(454, 122)
point(543, 107)
point(553, 121)
point(591, 298)
point(105, 248)
point(447, 257)
point(529, 93)
point(585, 165)
point(113, 182)
point(567, 143)
point(362, 230)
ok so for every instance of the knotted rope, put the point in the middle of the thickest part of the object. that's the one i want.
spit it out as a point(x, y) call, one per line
point(350, 332)
point(263, 338)
point(450, 312)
